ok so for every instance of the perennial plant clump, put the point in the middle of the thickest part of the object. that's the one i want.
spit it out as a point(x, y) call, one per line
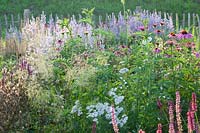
point(117, 75)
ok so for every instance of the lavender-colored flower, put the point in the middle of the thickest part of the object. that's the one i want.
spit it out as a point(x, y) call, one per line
point(157, 50)
point(197, 54)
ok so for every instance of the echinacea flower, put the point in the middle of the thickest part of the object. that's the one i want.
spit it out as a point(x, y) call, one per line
point(190, 45)
point(142, 28)
point(158, 32)
point(172, 35)
point(184, 35)
point(170, 42)
point(162, 23)
point(154, 25)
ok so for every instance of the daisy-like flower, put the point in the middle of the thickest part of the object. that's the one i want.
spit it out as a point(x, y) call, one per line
point(162, 23)
point(158, 32)
point(184, 35)
point(141, 28)
point(172, 35)
point(170, 42)
point(190, 45)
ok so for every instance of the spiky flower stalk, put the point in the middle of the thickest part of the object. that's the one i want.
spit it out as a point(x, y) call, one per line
point(159, 128)
point(94, 125)
point(191, 121)
point(171, 117)
point(114, 122)
point(178, 112)
point(194, 103)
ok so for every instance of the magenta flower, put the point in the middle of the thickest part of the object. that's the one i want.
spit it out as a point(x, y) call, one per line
point(191, 121)
point(184, 35)
point(194, 102)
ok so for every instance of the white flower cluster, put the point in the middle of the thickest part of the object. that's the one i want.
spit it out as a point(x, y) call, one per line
point(100, 109)
point(97, 110)
point(77, 108)
point(123, 70)
point(117, 99)
point(104, 109)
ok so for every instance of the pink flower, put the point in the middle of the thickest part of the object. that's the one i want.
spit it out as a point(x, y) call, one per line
point(114, 122)
point(178, 112)
point(191, 121)
point(141, 131)
point(158, 32)
point(170, 42)
point(142, 28)
point(194, 102)
point(171, 117)
point(159, 128)
point(94, 125)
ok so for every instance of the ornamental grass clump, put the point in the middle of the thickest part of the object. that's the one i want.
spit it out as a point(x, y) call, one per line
point(13, 100)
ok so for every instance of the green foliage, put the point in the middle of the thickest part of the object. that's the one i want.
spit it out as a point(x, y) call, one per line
point(88, 15)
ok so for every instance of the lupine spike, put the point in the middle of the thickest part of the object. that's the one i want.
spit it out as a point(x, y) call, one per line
point(178, 112)
point(114, 122)
point(171, 117)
